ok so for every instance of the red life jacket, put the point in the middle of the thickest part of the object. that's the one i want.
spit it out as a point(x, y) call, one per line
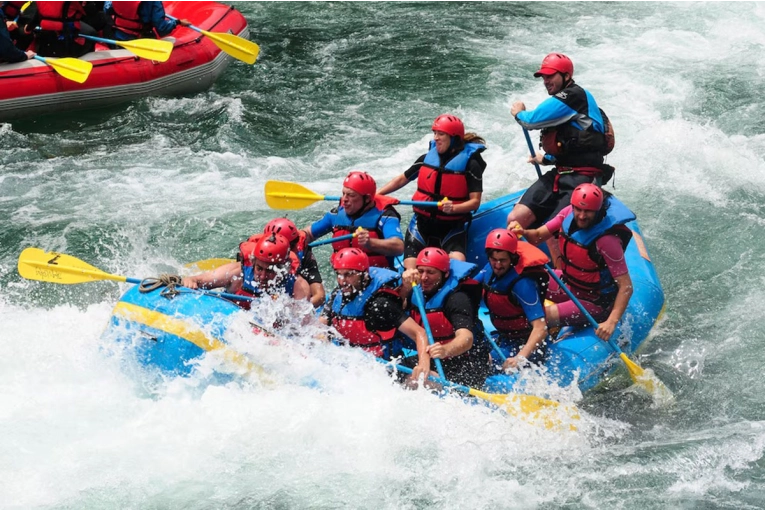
point(12, 9)
point(505, 311)
point(348, 318)
point(126, 18)
point(584, 269)
point(55, 15)
point(435, 182)
point(370, 221)
point(442, 329)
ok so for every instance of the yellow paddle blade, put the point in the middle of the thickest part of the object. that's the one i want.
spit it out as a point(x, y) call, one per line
point(636, 372)
point(648, 381)
point(289, 195)
point(35, 264)
point(71, 68)
point(207, 264)
point(532, 409)
point(237, 47)
point(151, 49)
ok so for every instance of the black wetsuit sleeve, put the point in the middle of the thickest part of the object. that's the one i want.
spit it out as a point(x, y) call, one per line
point(412, 171)
point(8, 52)
point(384, 313)
point(474, 173)
point(459, 311)
point(390, 212)
point(309, 268)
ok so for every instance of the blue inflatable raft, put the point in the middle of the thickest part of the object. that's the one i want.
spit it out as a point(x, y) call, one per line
point(171, 333)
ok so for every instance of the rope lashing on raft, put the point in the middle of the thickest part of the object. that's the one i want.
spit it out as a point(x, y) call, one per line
point(170, 281)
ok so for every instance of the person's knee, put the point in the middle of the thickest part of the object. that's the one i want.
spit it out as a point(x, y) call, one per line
point(455, 255)
point(552, 316)
point(522, 215)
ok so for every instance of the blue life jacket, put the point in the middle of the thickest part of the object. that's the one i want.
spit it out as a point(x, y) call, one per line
point(348, 318)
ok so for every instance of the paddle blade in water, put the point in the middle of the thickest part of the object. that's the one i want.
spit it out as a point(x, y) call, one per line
point(550, 414)
point(647, 381)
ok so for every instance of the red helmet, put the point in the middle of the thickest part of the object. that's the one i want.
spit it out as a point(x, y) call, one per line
point(555, 63)
point(274, 249)
point(434, 257)
point(283, 227)
point(361, 182)
point(350, 258)
point(502, 239)
point(450, 125)
point(588, 197)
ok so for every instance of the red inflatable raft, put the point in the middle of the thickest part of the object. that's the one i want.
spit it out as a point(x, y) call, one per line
point(32, 88)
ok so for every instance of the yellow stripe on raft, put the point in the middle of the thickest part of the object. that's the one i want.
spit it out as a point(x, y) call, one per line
point(185, 330)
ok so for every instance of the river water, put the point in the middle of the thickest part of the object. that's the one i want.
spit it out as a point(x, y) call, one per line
point(145, 187)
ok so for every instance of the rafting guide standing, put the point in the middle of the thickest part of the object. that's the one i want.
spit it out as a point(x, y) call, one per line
point(575, 137)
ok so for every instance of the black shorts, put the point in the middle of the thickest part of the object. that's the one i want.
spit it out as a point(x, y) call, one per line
point(546, 203)
point(422, 233)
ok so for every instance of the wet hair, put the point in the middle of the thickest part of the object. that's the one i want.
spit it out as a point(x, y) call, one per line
point(457, 144)
point(514, 257)
point(603, 208)
point(474, 138)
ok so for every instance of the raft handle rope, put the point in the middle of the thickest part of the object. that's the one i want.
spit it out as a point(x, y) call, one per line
point(171, 281)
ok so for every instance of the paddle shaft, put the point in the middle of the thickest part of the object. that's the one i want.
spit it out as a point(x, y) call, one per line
point(531, 150)
point(419, 300)
point(100, 39)
point(496, 348)
point(193, 27)
point(226, 295)
point(21, 11)
point(331, 240)
point(402, 202)
point(313, 244)
point(581, 307)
